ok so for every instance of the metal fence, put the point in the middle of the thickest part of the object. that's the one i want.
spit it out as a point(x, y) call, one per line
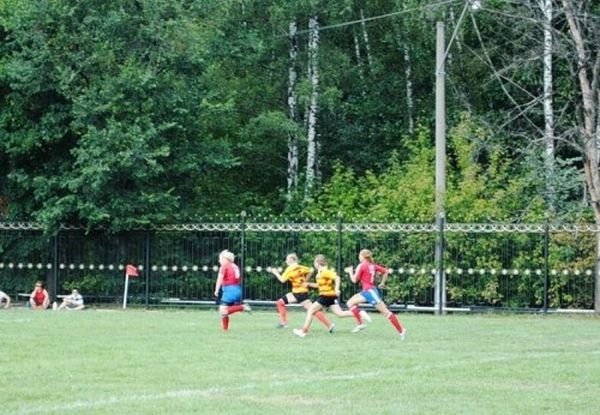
point(501, 266)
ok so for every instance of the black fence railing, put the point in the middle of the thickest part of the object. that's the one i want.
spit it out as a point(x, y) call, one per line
point(506, 266)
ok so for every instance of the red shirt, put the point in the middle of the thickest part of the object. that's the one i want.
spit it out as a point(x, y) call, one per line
point(365, 273)
point(230, 273)
point(39, 297)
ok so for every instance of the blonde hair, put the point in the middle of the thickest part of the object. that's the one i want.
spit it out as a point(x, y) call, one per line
point(366, 254)
point(321, 260)
point(228, 255)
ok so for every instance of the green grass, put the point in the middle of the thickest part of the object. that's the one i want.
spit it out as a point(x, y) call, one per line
point(179, 362)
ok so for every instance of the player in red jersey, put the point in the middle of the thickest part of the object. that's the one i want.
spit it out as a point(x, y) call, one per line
point(297, 275)
point(229, 284)
point(365, 273)
point(39, 298)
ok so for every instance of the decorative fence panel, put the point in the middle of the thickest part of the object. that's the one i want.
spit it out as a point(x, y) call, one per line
point(507, 266)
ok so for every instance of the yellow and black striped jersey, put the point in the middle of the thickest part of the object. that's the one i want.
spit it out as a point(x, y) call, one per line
point(326, 282)
point(296, 275)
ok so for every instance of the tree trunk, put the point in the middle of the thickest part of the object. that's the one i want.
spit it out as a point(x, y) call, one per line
point(404, 48)
point(546, 7)
point(587, 131)
point(366, 38)
point(313, 71)
point(292, 172)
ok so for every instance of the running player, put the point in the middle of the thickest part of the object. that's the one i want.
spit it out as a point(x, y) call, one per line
point(328, 283)
point(297, 275)
point(366, 272)
point(229, 280)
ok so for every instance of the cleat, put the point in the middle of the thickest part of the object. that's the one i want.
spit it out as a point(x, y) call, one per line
point(403, 335)
point(247, 308)
point(365, 316)
point(359, 328)
point(299, 332)
point(331, 328)
point(281, 325)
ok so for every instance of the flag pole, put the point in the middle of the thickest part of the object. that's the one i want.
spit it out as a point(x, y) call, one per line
point(126, 289)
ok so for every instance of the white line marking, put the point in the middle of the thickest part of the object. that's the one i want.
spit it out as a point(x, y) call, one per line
point(184, 393)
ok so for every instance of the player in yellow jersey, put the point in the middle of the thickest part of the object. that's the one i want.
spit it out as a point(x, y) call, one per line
point(328, 283)
point(297, 275)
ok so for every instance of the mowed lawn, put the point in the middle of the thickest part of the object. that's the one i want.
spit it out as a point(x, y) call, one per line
point(180, 362)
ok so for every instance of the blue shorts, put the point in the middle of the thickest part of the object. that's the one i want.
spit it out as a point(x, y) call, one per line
point(232, 294)
point(372, 296)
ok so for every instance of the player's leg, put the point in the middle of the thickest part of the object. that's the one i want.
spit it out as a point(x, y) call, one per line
point(282, 308)
point(353, 303)
point(319, 315)
point(392, 318)
point(232, 295)
point(315, 307)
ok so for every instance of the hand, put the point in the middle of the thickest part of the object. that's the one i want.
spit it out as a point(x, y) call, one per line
point(382, 286)
point(338, 293)
point(348, 270)
point(217, 293)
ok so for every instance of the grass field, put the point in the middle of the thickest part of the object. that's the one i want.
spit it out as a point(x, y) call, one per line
point(179, 362)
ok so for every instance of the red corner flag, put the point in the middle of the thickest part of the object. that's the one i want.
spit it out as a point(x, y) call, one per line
point(131, 271)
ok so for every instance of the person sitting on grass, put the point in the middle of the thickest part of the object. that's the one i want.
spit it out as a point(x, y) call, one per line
point(4, 297)
point(72, 302)
point(39, 298)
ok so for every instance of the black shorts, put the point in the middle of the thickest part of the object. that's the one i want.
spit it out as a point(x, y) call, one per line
point(300, 297)
point(327, 301)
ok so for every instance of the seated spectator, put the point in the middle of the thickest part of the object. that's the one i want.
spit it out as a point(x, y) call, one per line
point(72, 302)
point(6, 298)
point(39, 298)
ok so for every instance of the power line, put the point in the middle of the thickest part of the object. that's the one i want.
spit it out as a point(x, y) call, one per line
point(383, 16)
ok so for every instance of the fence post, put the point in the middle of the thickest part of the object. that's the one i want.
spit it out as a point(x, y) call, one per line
point(440, 274)
point(243, 251)
point(54, 285)
point(340, 222)
point(546, 265)
point(147, 264)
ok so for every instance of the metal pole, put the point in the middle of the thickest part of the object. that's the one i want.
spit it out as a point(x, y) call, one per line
point(55, 266)
point(147, 262)
point(440, 167)
point(243, 250)
point(546, 266)
point(339, 244)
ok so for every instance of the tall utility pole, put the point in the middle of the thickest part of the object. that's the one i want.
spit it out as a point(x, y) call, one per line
point(440, 169)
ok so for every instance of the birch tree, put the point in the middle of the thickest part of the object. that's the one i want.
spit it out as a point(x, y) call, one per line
point(313, 108)
point(292, 172)
point(547, 10)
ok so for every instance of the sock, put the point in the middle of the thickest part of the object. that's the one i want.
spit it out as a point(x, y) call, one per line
point(321, 317)
point(235, 309)
point(395, 322)
point(225, 322)
point(356, 314)
point(282, 309)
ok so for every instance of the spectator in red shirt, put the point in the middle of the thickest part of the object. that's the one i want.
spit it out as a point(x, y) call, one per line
point(39, 298)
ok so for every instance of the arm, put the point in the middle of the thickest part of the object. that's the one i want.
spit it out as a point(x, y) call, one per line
point(353, 275)
point(338, 282)
point(218, 283)
point(384, 278)
point(277, 274)
point(384, 272)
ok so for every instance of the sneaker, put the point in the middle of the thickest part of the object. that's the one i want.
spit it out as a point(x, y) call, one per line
point(331, 328)
point(365, 316)
point(280, 325)
point(299, 332)
point(359, 328)
point(403, 335)
point(247, 308)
